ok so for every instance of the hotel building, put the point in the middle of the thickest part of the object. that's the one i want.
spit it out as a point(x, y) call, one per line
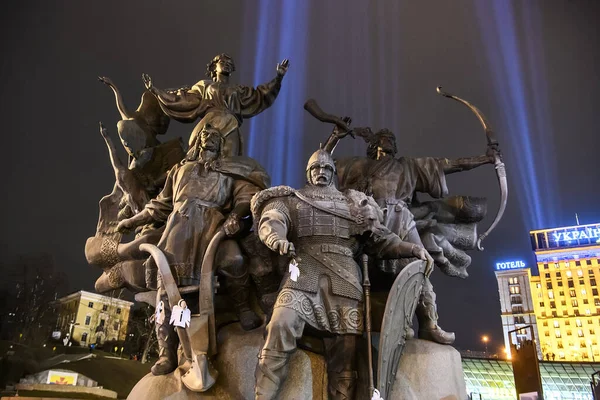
point(562, 302)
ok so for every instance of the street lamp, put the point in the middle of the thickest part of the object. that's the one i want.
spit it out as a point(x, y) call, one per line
point(485, 340)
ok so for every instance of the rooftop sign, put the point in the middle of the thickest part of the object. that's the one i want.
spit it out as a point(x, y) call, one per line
point(503, 266)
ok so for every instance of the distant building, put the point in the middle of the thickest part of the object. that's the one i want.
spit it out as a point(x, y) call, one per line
point(562, 303)
point(89, 318)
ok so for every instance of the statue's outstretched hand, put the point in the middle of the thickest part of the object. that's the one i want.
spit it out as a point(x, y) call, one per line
point(422, 254)
point(341, 132)
point(232, 225)
point(147, 81)
point(282, 67)
point(126, 225)
point(284, 247)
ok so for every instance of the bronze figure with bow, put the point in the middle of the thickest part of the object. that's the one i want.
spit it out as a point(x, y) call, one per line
point(498, 163)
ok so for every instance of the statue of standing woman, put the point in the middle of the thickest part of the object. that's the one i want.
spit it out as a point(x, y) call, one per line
point(218, 102)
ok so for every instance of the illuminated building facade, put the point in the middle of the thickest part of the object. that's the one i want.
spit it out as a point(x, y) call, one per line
point(565, 294)
point(562, 303)
point(516, 301)
point(90, 318)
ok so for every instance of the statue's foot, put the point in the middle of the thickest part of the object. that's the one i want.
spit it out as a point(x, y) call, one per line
point(164, 366)
point(437, 335)
point(249, 320)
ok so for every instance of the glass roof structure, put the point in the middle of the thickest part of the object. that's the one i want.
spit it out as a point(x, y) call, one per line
point(491, 379)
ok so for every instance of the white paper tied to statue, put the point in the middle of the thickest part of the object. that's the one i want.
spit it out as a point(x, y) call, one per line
point(160, 313)
point(294, 270)
point(376, 395)
point(181, 316)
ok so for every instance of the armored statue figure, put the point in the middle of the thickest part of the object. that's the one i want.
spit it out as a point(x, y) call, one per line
point(323, 230)
point(393, 183)
point(218, 102)
point(203, 193)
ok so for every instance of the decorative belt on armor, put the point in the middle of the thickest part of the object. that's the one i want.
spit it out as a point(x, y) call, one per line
point(337, 249)
point(316, 252)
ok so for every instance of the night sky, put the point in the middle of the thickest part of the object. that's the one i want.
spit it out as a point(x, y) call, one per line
point(532, 67)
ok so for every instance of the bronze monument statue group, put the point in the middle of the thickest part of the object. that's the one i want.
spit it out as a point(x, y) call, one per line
point(346, 256)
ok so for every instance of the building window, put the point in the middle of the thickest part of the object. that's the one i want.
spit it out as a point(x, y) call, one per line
point(561, 293)
point(559, 344)
point(552, 304)
point(560, 283)
point(580, 332)
point(515, 290)
point(574, 303)
point(538, 285)
point(88, 318)
point(582, 344)
point(576, 312)
point(516, 300)
point(547, 275)
point(84, 337)
point(567, 322)
point(579, 272)
point(585, 301)
point(543, 313)
point(597, 302)
point(104, 307)
point(513, 280)
point(541, 304)
point(583, 292)
point(561, 355)
point(570, 283)
point(581, 281)
point(588, 311)
point(556, 324)
point(589, 321)
point(565, 312)
point(577, 263)
point(572, 293)
point(554, 314)
point(91, 304)
point(550, 294)
point(569, 274)
point(558, 275)
point(545, 266)
point(557, 333)
point(594, 291)
point(116, 326)
point(593, 281)
point(517, 310)
point(569, 333)
point(545, 323)
point(588, 262)
point(548, 285)
point(592, 332)
point(547, 333)
point(118, 311)
point(563, 302)
point(578, 322)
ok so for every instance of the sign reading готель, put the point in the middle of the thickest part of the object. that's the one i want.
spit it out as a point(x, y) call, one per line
point(502, 266)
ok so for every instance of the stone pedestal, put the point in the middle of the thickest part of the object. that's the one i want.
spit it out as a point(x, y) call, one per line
point(429, 371)
point(236, 362)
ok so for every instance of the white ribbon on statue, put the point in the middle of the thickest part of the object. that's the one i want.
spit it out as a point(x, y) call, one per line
point(294, 270)
point(160, 313)
point(181, 316)
point(376, 395)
